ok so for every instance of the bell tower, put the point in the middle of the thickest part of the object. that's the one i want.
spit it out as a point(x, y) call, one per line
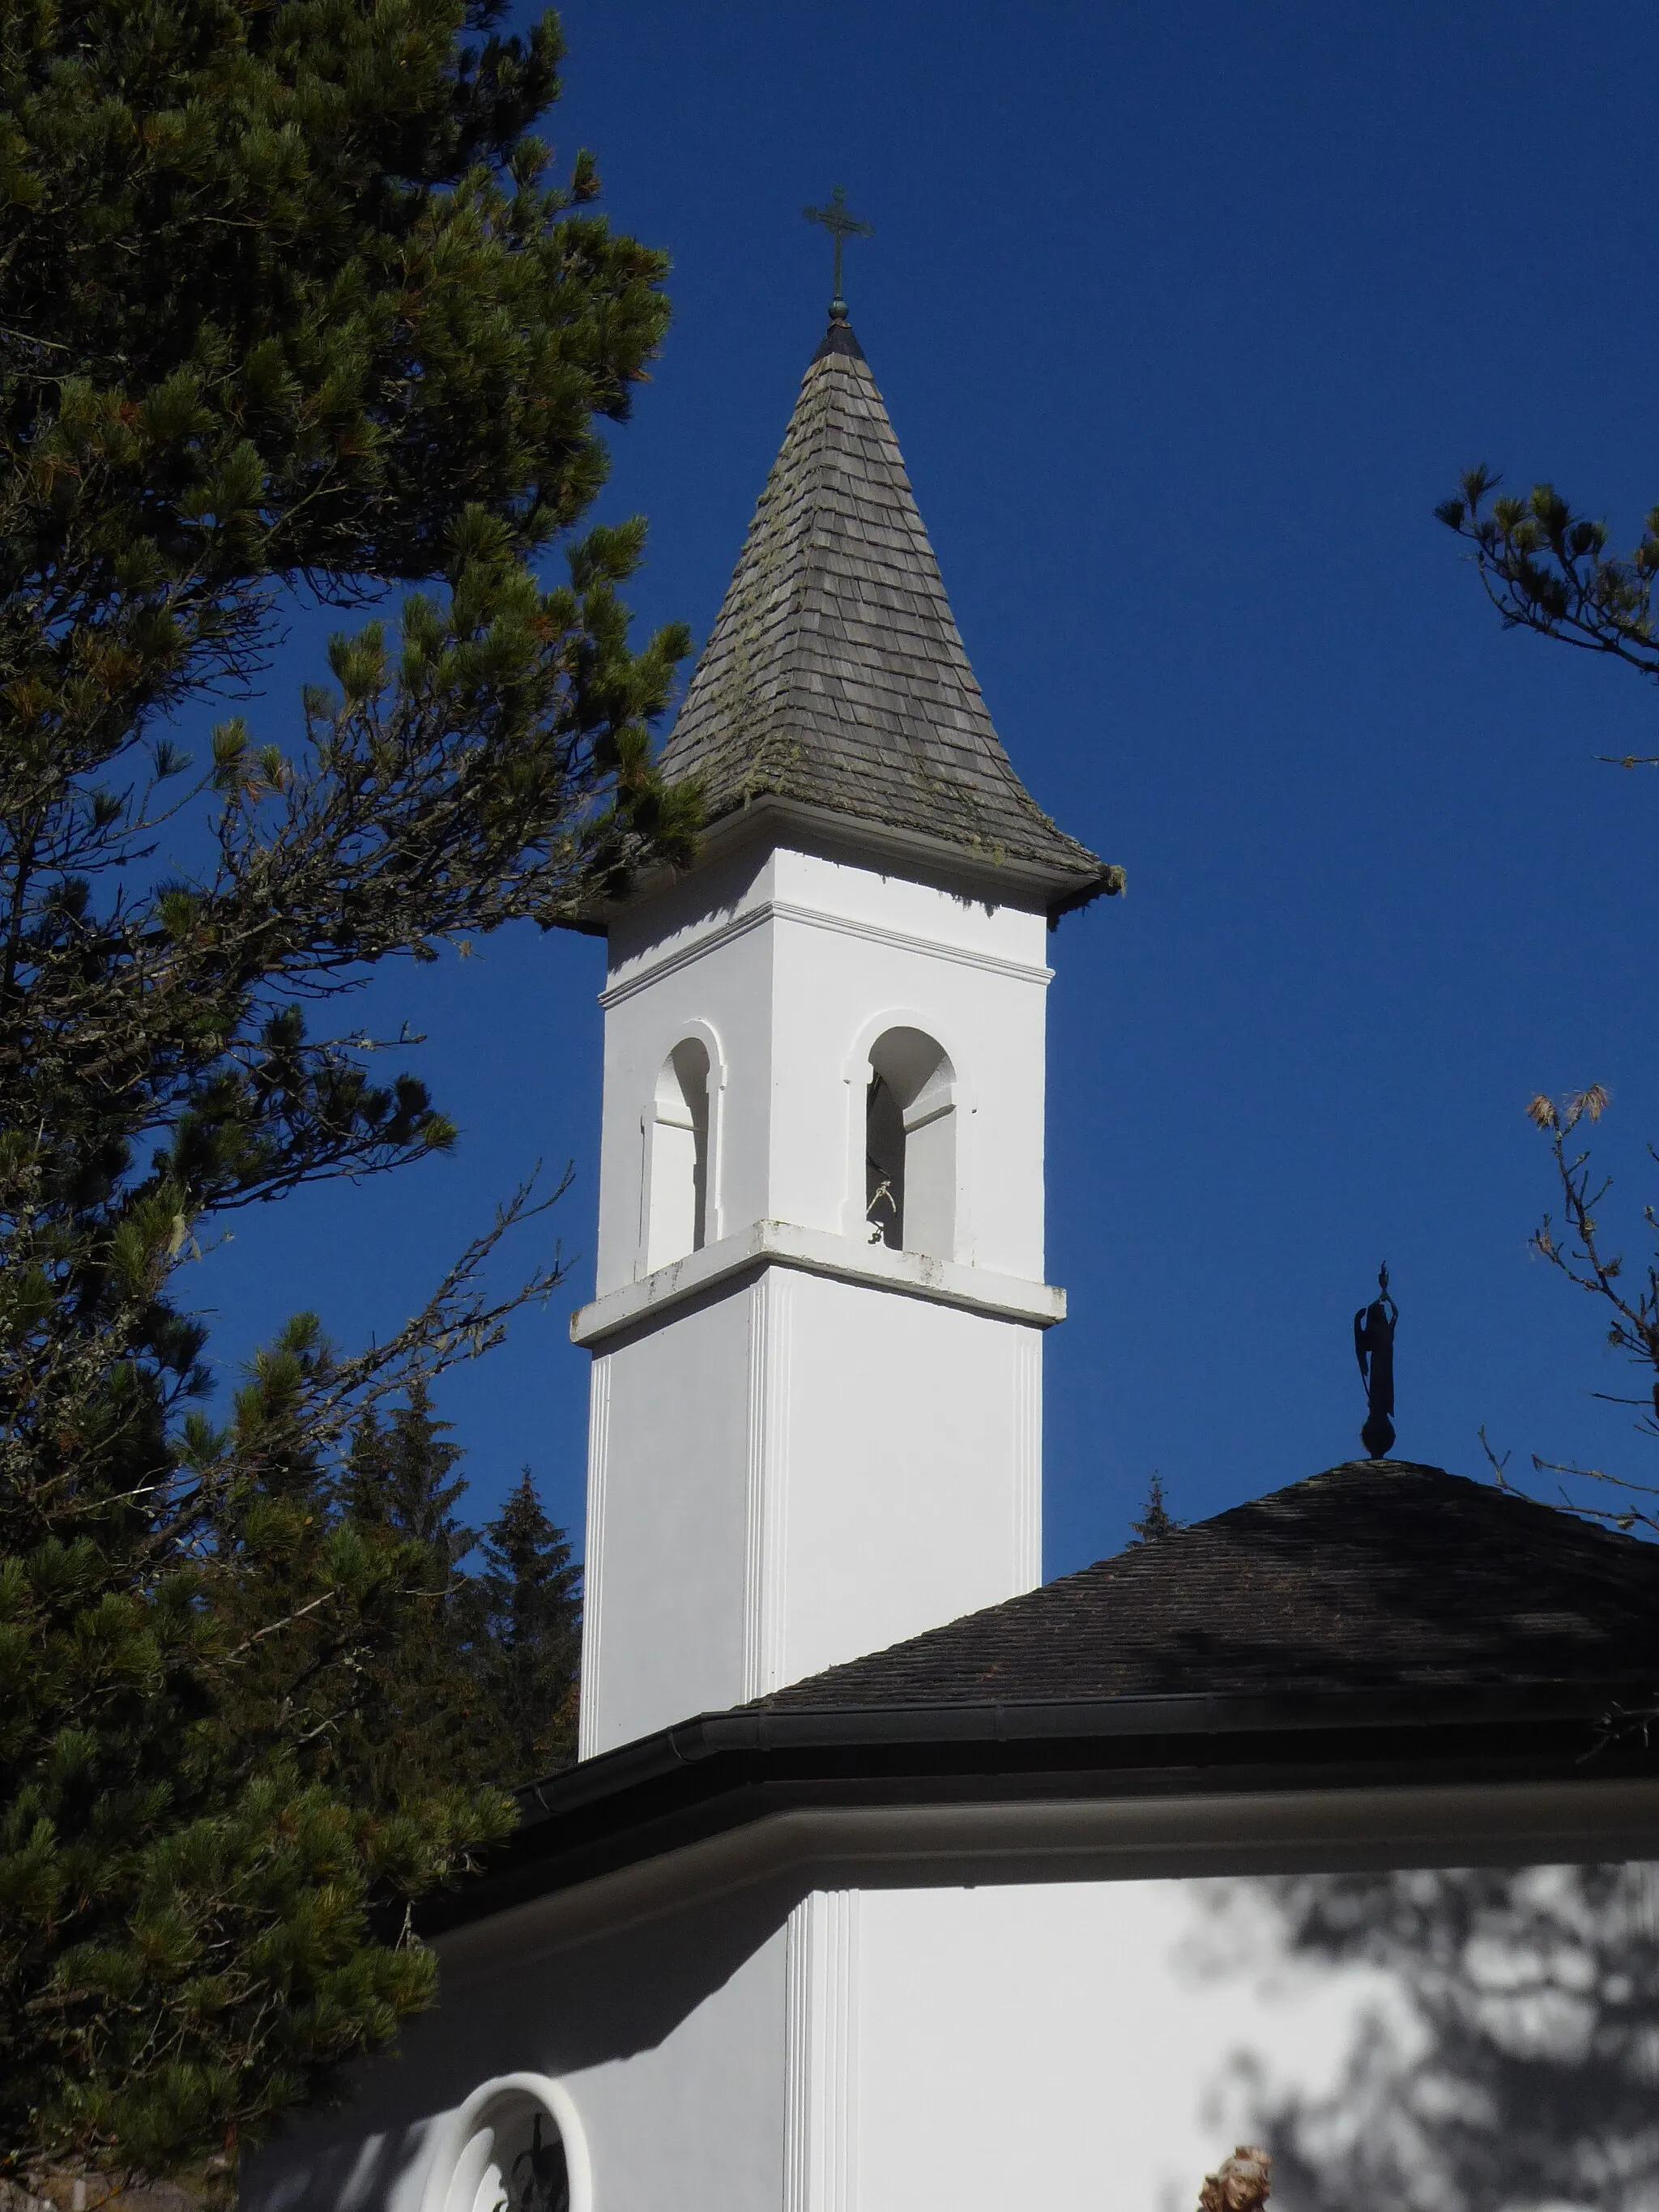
point(818, 1322)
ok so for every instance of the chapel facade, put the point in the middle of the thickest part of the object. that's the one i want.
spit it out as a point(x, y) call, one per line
point(890, 1876)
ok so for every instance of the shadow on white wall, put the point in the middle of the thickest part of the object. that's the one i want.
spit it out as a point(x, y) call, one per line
point(1506, 2057)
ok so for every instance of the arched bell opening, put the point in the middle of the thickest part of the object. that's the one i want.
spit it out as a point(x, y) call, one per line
point(677, 1217)
point(911, 1145)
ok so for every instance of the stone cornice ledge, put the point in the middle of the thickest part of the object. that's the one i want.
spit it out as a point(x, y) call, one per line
point(817, 1252)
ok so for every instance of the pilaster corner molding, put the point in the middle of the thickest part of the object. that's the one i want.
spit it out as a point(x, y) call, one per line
point(821, 2053)
point(818, 1252)
point(1028, 1464)
point(766, 1564)
point(599, 1451)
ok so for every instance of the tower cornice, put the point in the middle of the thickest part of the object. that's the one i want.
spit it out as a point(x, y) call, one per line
point(814, 1252)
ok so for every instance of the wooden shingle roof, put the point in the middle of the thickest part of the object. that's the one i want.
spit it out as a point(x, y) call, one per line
point(1379, 1575)
point(1385, 1633)
point(835, 676)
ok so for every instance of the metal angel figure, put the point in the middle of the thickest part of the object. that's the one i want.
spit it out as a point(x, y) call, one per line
point(1373, 1342)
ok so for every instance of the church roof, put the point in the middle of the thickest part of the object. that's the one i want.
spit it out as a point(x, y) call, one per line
point(1378, 1574)
point(835, 678)
point(1383, 1627)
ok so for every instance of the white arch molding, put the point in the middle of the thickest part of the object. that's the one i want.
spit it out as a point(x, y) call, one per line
point(480, 2138)
point(942, 1102)
point(680, 1150)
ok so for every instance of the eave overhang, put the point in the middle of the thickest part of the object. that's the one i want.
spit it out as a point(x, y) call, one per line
point(723, 1773)
point(988, 871)
point(996, 878)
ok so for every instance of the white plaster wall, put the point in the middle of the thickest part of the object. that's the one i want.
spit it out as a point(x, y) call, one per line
point(795, 1472)
point(912, 1471)
point(1086, 2046)
point(668, 2039)
point(1103, 2045)
point(1063, 2046)
point(697, 2120)
point(664, 1630)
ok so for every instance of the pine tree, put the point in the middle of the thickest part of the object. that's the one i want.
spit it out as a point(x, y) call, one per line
point(400, 1474)
point(531, 1651)
point(292, 301)
point(420, 1720)
point(1156, 1519)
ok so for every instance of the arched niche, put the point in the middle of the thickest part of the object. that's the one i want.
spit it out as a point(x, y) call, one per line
point(677, 1193)
point(911, 1145)
point(514, 2145)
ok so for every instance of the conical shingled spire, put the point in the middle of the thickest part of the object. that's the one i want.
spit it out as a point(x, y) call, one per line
point(835, 679)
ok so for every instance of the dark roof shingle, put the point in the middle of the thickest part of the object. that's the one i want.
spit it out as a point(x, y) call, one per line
point(835, 676)
point(1377, 1574)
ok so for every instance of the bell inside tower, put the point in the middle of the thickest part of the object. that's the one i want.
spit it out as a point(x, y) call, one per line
point(910, 1145)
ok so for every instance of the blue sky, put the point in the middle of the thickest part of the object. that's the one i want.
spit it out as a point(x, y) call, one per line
point(1186, 316)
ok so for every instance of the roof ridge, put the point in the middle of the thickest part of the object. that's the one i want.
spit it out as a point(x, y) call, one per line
point(1325, 1579)
point(1619, 1540)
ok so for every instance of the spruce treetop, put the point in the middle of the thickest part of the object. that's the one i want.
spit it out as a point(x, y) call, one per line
point(1156, 1519)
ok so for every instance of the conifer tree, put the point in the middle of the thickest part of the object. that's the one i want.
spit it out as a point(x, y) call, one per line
point(292, 302)
point(1155, 1518)
point(532, 1649)
point(401, 1474)
point(420, 1721)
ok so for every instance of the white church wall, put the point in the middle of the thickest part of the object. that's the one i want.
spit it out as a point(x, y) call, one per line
point(667, 1525)
point(1063, 2046)
point(696, 2121)
point(791, 1474)
point(664, 2045)
point(1426, 2041)
point(912, 1475)
point(1452, 2040)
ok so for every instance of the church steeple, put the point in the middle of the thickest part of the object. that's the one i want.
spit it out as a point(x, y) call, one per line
point(835, 684)
point(819, 1284)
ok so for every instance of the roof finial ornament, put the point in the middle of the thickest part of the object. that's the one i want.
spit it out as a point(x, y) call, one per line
point(1373, 1341)
point(840, 225)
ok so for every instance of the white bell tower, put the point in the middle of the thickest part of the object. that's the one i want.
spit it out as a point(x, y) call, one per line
point(818, 1325)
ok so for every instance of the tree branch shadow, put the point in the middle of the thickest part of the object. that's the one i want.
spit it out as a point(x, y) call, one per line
point(1521, 2067)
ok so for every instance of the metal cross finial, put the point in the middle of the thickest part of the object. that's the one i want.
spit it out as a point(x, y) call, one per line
point(840, 225)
